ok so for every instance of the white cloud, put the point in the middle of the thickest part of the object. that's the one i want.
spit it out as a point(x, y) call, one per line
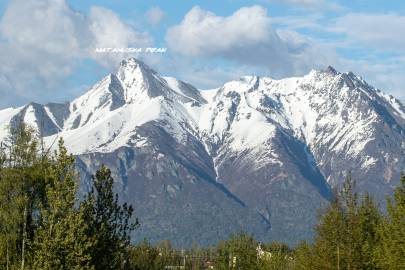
point(246, 37)
point(155, 15)
point(50, 26)
point(310, 4)
point(367, 44)
point(110, 31)
point(249, 37)
point(203, 33)
point(42, 41)
point(379, 31)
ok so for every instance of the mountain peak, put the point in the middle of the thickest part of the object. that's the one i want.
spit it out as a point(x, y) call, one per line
point(138, 79)
point(140, 82)
point(132, 64)
point(331, 70)
point(131, 69)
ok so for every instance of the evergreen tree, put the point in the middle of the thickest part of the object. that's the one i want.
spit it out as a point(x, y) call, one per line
point(329, 240)
point(61, 241)
point(345, 235)
point(304, 257)
point(391, 249)
point(352, 234)
point(42, 225)
point(370, 218)
point(109, 222)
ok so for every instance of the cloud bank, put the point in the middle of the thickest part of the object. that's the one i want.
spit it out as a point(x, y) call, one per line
point(43, 41)
point(245, 37)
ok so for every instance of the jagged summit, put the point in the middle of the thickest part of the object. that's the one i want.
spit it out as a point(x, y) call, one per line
point(331, 70)
point(297, 103)
point(137, 79)
point(140, 81)
point(131, 64)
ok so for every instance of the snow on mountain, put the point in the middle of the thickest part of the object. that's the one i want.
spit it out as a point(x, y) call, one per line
point(336, 112)
point(326, 109)
point(106, 117)
point(274, 146)
point(46, 119)
point(6, 115)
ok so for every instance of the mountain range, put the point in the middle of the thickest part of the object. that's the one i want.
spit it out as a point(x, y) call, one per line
point(257, 154)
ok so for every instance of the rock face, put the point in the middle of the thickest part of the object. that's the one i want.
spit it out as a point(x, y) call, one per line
point(257, 155)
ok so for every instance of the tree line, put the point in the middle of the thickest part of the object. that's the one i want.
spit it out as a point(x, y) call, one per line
point(43, 224)
point(352, 233)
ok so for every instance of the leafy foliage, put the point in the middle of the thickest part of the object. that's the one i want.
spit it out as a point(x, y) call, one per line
point(238, 253)
point(42, 223)
point(22, 188)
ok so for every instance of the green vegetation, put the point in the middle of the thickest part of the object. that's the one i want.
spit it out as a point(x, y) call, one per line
point(43, 225)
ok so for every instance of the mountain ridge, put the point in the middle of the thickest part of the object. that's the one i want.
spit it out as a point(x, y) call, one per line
point(269, 151)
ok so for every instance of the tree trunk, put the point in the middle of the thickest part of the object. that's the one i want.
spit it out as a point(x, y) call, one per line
point(338, 258)
point(23, 239)
point(8, 258)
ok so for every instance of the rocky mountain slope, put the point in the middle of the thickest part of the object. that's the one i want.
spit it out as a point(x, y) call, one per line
point(257, 154)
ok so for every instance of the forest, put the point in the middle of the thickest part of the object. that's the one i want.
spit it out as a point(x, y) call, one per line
point(45, 225)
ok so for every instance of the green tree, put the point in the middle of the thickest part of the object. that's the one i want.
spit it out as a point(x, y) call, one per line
point(391, 249)
point(345, 235)
point(42, 225)
point(239, 252)
point(370, 219)
point(329, 239)
point(352, 234)
point(304, 257)
point(145, 257)
point(22, 188)
point(276, 256)
point(110, 223)
point(61, 241)
point(170, 255)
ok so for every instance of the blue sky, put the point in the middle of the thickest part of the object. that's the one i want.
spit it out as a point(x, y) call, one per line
point(47, 46)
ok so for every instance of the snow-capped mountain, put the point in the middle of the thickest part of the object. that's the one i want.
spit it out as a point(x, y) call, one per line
point(256, 154)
